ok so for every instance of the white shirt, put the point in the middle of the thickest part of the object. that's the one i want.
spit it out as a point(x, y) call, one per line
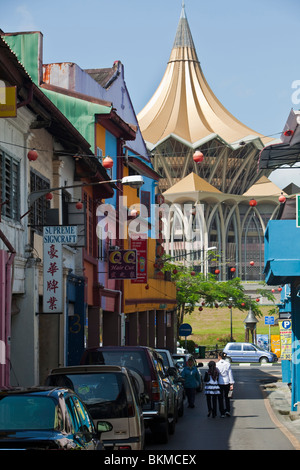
point(225, 372)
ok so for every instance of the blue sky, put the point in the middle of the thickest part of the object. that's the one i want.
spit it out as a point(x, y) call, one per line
point(247, 48)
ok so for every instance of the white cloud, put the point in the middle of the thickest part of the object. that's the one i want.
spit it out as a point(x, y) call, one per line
point(25, 18)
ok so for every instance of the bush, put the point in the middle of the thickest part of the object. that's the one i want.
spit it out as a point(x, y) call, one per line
point(190, 345)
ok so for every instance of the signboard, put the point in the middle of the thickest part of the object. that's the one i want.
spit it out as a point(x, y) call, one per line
point(54, 237)
point(8, 100)
point(122, 264)
point(185, 329)
point(140, 245)
point(285, 330)
point(269, 320)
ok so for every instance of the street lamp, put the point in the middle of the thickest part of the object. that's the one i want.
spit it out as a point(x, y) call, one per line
point(135, 181)
point(231, 300)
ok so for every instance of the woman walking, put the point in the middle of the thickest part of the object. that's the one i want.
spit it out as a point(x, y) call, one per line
point(226, 384)
point(212, 388)
point(191, 381)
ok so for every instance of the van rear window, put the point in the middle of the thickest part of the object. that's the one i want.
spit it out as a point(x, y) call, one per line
point(135, 360)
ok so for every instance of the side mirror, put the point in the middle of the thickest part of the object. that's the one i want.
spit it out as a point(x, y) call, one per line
point(104, 426)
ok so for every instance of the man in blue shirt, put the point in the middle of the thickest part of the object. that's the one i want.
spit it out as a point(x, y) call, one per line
point(192, 380)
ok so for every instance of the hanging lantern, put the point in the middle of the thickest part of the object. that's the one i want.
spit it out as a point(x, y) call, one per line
point(217, 271)
point(273, 290)
point(108, 163)
point(282, 198)
point(251, 263)
point(243, 304)
point(200, 309)
point(175, 271)
point(49, 196)
point(32, 155)
point(79, 205)
point(288, 132)
point(216, 305)
point(257, 300)
point(193, 273)
point(252, 203)
point(147, 286)
point(232, 270)
point(279, 289)
point(198, 157)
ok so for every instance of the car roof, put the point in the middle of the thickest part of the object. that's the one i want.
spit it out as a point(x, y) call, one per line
point(85, 369)
point(43, 391)
point(120, 348)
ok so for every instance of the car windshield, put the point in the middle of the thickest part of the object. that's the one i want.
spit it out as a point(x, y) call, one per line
point(23, 412)
point(105, 394)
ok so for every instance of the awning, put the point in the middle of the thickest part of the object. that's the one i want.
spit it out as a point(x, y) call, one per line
point(277, 155)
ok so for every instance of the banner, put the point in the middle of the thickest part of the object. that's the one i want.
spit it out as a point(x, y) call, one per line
point(140, 245)
point(285, 329)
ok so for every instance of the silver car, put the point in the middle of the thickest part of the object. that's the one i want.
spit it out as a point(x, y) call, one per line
point(248, 352)
point(110, 393)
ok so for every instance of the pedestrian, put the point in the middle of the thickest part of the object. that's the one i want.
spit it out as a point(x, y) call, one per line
point(192, 380)
point(226, 384)
point(212, 388)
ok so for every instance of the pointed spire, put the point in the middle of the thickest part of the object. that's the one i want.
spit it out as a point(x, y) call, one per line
point(183, 36)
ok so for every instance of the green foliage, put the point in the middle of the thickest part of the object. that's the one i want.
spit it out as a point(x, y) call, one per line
point(194, 288)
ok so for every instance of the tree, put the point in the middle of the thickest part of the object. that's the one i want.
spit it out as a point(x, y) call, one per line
point(195, 288)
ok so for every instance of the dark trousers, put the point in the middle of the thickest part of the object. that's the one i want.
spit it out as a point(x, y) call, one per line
point(224, 401)
point(191, 395)
point(211, 401)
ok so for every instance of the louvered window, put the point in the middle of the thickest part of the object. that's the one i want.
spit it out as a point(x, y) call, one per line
point(9, 186)
point(38, 210)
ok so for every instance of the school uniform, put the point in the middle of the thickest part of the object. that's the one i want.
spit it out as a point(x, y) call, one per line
point(212, 391)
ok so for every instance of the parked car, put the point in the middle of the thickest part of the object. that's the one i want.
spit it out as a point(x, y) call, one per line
point(110, 393)
point(175, 377)
point(160, 410)
point(248, 352)
point(43, 418)
point(180, 361)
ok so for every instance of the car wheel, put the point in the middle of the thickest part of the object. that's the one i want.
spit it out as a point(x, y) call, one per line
point(181, 409)
point(263, 360)
point(161, 432)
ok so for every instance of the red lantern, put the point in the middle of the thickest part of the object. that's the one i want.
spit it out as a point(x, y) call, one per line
point(198, 156)
point(273, 290)
point(257, 300)
point(147, 286)
point(217, 271)
point(252, 203)
point(175, 271)
point(229, 306)
point(288, 132)
point(200, 309)
point(193, 273)
point(49, 196)
point(107, 163)
point(243, 304)
point(251, 263)
point(282, 198)
point(232, 270)
point(79, 205)
point(216, 305)
point(279, 289)
point(32, 155)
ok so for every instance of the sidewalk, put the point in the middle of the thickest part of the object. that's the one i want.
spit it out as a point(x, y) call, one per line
point(278, 396)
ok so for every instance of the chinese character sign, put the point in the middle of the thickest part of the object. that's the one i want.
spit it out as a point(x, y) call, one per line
point(122, 264)
point(53, 274)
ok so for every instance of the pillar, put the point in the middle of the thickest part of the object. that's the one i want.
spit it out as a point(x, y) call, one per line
point(295, 302)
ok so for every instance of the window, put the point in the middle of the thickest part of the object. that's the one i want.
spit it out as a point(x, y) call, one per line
point(9, 186)
point(235, 347)
point(249, 347)
point(38, 212)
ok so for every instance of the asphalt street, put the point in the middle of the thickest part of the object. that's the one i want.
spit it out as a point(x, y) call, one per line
point(256, 422)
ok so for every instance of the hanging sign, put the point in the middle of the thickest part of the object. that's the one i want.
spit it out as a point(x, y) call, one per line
point(122, 264)
point(54, 237)
point(140, 245)
point(8, 101)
